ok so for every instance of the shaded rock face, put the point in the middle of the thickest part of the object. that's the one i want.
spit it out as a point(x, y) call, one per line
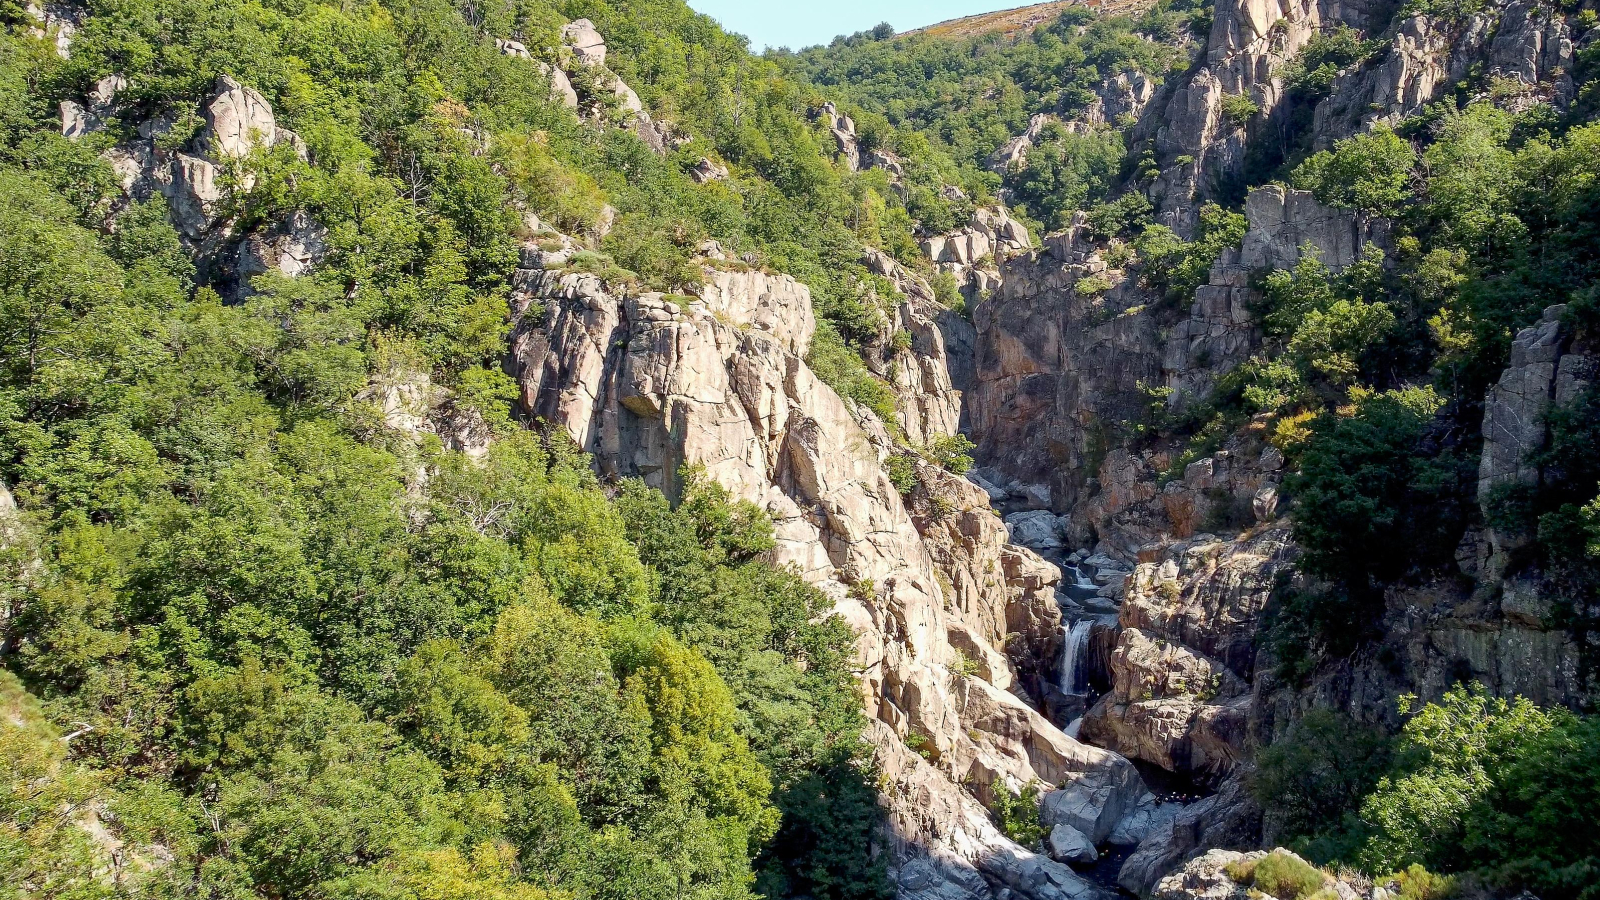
point(951, 619)
point(291, 248)
point(1185, 656)
point(1545, 371)
point(1058, 368)
point(1228, 819)
point(1055, 367)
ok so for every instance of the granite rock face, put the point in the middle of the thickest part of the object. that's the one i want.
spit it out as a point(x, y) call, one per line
point(193, 180)
point(1013, 154)
point(947, 612)
point(1185, 657)
point(1283, 220)
point(974, 253)
point(1542, 372)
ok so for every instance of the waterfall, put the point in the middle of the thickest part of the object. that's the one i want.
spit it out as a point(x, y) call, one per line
point(1080, 580)
point(1077, 637)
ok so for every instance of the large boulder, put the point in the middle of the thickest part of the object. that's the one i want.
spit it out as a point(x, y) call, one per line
point(588, 47)
point(1228, 820)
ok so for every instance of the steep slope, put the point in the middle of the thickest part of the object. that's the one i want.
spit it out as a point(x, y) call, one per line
point(1009, 23)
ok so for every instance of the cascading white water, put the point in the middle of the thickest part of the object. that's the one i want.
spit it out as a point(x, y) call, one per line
point(1077, 637)
point(1080, 580)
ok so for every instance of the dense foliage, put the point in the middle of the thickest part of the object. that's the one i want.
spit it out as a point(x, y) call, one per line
point(274, 645)
point(1494, 788)
point(968, 97)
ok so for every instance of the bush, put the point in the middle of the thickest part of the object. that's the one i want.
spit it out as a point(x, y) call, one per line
point(1279, 873)
point(841, 369)
point(1018, 814)
point(1314, 777)
point(1239, 109)
point(1176, 267)
point(1319, 61)
point(953, 453)
point(1370, 505)
point(1370, 172)
point(902, 469)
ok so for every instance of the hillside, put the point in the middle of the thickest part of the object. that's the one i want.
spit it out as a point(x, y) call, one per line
point(1009, 23)
point(541, 451)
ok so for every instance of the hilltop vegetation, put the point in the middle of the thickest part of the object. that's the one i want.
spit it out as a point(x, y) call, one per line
point(288, 651)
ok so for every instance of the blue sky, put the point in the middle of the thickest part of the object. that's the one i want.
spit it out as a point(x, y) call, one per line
point(801, 23)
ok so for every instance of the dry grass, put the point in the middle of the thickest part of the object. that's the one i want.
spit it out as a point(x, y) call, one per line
point(1012, 22)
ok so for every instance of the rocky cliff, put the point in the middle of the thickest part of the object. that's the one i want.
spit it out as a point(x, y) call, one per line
point(963, 627)
point(952, 619)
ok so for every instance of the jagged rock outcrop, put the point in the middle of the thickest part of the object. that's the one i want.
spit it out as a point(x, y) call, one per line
point(649, 383)
point(588, 50)
point(291, 248)
point(1123, 96)
point(708, 170)
point(1185, 656)
point(945, 846)
point(1197, 144)
point(1227, 820)
point(974, 252)
point(587, 45)
point(56, 21)
point(193, 180)
point(1543, 372)
point(843, 130)
point(560, 84)
point(1283, 220)
point(1013, 154)
point(929, 373)
point(79, 119)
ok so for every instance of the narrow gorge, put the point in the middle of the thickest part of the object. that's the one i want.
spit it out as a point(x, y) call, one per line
point(1218, 411)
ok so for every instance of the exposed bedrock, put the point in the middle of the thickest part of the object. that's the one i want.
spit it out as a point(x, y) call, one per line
point(954, 622)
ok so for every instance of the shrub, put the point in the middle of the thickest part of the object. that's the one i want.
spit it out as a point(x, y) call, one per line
point(839, 367)
point(1092, 286)
point(1279, 873)
point(953, 453)
point(1317, 774)
point(1018, 814)
point(1319, 61)
point(1370, 172)
point(1175, 266)
point(902, 469)
point(1239, 109)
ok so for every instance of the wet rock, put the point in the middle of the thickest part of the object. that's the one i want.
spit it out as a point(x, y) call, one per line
point(1227, 820)
point(1035, 530)
point(1067, 844)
